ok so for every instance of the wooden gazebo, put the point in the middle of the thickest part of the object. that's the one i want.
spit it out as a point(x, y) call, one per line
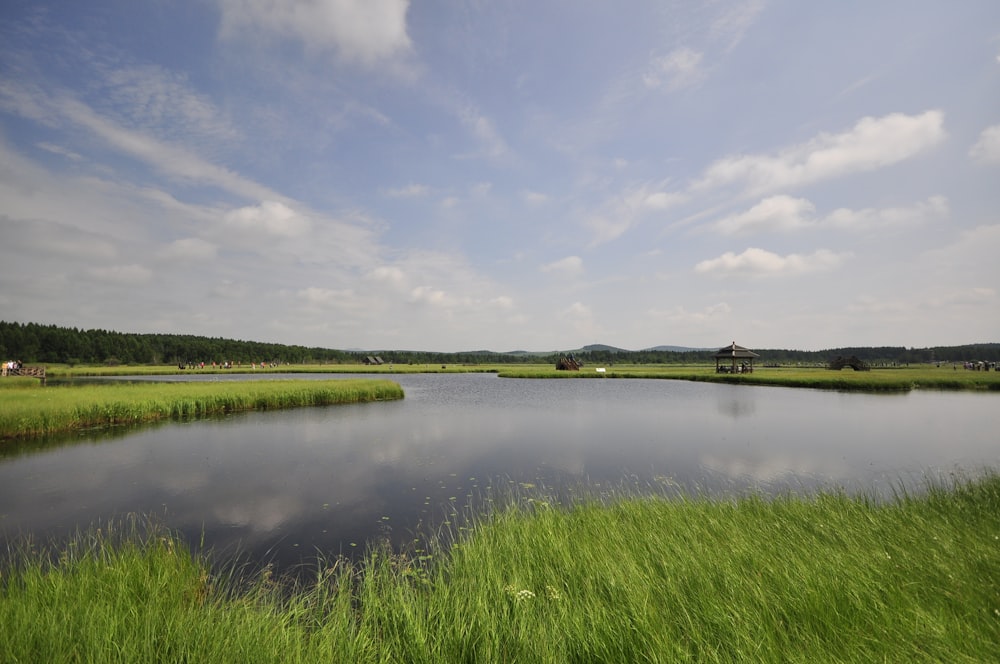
point(740, 359)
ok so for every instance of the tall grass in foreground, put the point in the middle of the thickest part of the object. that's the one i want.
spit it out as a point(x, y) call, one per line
point(828, 578)
point(49, 410)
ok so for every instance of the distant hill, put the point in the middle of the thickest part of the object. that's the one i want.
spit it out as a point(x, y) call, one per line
point(603, 348)
point(679, 349)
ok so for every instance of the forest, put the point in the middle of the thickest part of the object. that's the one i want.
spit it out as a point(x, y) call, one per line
point(34, 343)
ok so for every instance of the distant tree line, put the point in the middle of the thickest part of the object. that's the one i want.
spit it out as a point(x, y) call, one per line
point(35, 343)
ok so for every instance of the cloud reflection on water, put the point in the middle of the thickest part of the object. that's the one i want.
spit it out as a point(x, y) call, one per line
point(292, 482)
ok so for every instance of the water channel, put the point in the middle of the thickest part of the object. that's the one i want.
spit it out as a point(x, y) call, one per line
point(281, 486)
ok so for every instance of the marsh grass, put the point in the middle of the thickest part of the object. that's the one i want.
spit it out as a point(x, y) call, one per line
point(57, 409)
point(876, 380)
point(824, 577)
point(945, 377)
point(66, 371)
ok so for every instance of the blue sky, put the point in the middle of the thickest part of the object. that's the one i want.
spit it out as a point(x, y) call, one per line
point(463, 174)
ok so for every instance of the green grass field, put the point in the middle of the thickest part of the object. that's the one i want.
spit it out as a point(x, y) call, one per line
point(66, 371)
point(903, 378)
point(895, 379)
point(824, 578)
point(29, 410)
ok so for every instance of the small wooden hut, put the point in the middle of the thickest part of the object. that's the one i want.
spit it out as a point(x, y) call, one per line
point(734, 359)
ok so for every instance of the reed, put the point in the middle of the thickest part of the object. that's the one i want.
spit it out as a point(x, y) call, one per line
point(66, 371)
point(58, 409)
point(825, 577)
point(946, 377)
point(876, 380)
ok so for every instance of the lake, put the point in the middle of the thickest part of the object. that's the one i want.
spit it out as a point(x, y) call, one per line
point(281, 486)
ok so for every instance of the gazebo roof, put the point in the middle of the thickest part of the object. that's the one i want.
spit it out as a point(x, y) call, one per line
point(734, 351)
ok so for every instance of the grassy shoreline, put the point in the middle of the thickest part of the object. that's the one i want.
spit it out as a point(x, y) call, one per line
point(877, 380)
point(29, 410)
point(792, 579)
point(898, 379)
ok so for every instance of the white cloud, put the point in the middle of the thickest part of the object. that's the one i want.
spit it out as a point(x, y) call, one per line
point(678, 69)
point(481, 189)
point(579, 311)
point(870, 305)
point(661, 200)
point(568, 267)
point(364, 31)
point(971, 253)
point(935, 207)
point(190, 248)
point(987, 148)
point(326, 296)
point(785, 214)
point(534, 197)
point(777, 213)
point(409, 191)
point(679, 314)
point(872, 143)
point(122, 274)
point(271, 218)
point(735, 20)
point(493, 144)
point(756, 262)
point(388, 275)
point(624, 211)
point(431, 296)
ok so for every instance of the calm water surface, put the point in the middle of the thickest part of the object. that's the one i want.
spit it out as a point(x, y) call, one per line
point(282, 486)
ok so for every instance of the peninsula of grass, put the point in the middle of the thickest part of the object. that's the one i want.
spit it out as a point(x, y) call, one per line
point(821, 578)
point(895, 379)
point(900, 379)
point(82, 371)
point(28, 410)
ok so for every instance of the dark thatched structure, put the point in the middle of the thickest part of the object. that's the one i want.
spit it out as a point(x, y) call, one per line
point(740, 359)
point(852, 361)
point(569, 363)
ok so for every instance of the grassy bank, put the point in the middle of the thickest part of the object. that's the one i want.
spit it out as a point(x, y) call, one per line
point(876, 380)
point(66, 371)
point(28, 410)
point(945, 377)
point(823, 578)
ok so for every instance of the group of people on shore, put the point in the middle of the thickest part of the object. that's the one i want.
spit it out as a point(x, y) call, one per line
point(225, 365)
point(12, 367)
point(981, 366)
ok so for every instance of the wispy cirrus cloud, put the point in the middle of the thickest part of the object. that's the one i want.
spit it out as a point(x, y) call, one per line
point(492, 143)
point(363, 31)
point(622, 212)
point(734, 21)
point(60, 109)
point(675, 70)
